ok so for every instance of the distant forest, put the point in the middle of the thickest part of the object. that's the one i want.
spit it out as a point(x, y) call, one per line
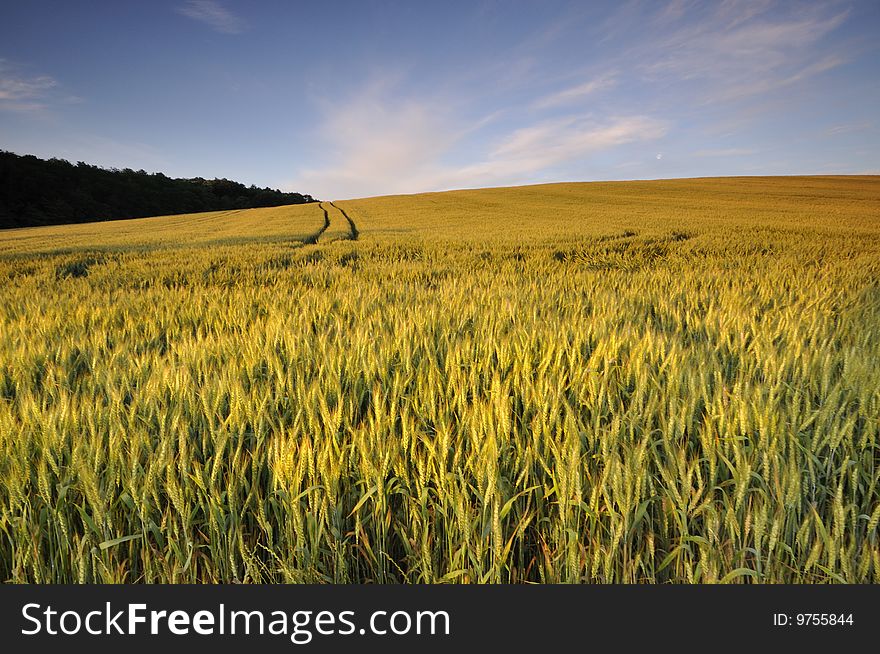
point(35, 191)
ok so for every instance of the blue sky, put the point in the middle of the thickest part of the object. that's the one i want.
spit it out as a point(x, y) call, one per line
point(349, 99)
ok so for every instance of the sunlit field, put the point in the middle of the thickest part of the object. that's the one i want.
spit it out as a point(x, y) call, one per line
point(623, 382)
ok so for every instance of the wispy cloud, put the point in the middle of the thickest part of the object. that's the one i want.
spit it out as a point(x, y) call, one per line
point(23, 93)
point(529, 153)
point(741, 49)
point(379, 142)
point(848, 128)
point(213, 14)
point(726, 152)
point(664, 69)
point(674, 10)
point(16, 89)
point(553, 142)
point(575, 93)
point(375, 141)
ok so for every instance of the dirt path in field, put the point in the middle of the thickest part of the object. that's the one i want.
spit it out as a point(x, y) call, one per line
point(312, 239)
point(353, 230)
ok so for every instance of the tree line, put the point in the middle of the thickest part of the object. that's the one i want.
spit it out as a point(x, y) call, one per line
point(36, 191)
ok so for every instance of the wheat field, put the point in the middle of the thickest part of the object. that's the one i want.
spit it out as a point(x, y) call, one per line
point(624, 382)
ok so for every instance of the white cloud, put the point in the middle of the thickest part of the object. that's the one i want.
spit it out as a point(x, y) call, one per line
point(214, 15)
point(574, 93)
point(553, 142)
point(674, 10)
point(817, 67)
point(15, 89)
point(725, 152)
point(530, 151)
point(383, 141)
point(379, 143)
point(375, 142)
point(848, 127)
point(738, 50)
point(21, 93)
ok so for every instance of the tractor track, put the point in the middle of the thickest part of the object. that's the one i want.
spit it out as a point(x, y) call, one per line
point(353, 230)
point(312, 239)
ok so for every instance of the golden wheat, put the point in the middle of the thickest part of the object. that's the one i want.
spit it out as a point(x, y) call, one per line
point(622, 382)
